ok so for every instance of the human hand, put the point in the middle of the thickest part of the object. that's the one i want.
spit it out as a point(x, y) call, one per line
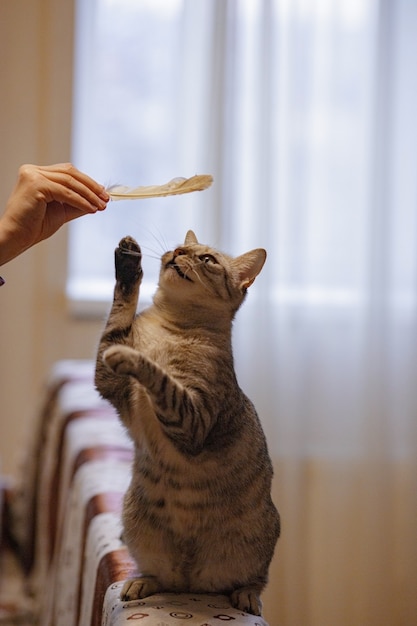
point(45, 198)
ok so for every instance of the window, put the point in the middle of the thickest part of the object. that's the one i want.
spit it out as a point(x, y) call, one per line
point(293, 107)
point(127, 107)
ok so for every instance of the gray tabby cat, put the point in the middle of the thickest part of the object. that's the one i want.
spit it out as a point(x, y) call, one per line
point(198, 515)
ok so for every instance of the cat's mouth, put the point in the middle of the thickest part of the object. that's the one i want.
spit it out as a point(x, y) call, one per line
point(178, 270)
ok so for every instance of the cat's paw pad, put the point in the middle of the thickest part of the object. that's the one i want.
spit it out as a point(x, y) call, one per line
point(121, 359)
point(128, 261)
point(247, 599)
point(141, 587)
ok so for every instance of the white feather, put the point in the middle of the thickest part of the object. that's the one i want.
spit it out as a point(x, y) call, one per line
point(173, 187)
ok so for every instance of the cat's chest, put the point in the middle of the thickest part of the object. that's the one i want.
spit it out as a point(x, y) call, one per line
point(152, 340)
point(172, 351)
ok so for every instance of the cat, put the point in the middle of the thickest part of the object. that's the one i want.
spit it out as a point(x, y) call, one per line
point(198, 515)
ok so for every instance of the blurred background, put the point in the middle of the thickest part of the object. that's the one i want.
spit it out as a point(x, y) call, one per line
point(304, 111)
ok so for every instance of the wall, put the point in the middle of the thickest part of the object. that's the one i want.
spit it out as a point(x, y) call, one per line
point(35, 114)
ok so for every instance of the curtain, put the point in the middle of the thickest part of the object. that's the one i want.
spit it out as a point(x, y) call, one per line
point(305, 112)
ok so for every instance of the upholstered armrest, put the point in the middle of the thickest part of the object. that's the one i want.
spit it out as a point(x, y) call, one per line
point(77, 559)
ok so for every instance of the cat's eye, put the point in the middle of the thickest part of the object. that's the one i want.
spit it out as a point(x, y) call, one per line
point(208, 258)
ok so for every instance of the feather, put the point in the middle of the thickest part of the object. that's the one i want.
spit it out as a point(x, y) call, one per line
point(173, 187)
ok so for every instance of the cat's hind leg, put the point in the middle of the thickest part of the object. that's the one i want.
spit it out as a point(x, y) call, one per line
point(139, 587)
point(247, 599)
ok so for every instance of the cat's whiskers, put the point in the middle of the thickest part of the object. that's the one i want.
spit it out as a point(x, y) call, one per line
point(191, 268)
point(151, 254)
point(154, 249)
point(161, 242)
point(206, 286)
point(186, 270)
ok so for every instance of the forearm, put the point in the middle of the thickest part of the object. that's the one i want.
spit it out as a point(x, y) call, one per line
point(10, 245)
point(19, 230)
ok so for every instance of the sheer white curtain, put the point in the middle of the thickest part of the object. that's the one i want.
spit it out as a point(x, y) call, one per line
point(305, 112)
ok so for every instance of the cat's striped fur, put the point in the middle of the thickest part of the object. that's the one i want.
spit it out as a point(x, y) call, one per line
point(198, 514)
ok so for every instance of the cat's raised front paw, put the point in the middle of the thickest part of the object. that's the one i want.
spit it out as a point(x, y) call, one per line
point(141, 587)
point(128, 262)
point(247, 599)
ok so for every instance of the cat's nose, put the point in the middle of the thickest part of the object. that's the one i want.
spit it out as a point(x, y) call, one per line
point(179, 251)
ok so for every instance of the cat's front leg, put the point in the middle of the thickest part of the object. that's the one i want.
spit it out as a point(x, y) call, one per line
point(185, 415)
point(128, 265)
point(118, 330)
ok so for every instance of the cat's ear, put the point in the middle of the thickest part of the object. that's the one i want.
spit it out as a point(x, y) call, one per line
point(190, 238)
point(249, 265)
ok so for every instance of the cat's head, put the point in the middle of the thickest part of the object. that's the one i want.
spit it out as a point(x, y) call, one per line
point(198, 274)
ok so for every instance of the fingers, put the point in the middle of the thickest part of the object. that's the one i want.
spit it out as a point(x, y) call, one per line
point(67, 171)
point(73, 193)
point(76, 188)
point(66, 184)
